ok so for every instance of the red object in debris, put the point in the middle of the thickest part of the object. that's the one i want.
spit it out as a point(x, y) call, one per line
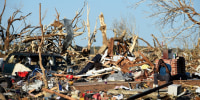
point(67, 76)
point(83, 94)
point(70, 77)
point(97, 96)
point(89, 91)
point(22, 74)
point(12, 80)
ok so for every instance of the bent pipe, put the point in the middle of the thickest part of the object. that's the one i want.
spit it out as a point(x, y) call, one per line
point(149, 91)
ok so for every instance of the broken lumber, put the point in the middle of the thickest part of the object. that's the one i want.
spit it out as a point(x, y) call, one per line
point(146, 59)
point(149, 91)
point(100, 74)
point(133, 45)
point(41, 93)
point(110, 47)
point(64, 75)
point(2, 96)
point(61, 95)
point(121, 91)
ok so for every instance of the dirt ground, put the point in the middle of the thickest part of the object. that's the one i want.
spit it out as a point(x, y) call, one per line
point(102, 86)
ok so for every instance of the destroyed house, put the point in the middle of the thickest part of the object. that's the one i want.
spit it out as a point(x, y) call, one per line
point(31, 60)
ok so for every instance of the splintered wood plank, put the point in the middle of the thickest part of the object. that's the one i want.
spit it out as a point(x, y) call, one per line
point(133, 45)
point(62, 95)
point(110, 47)
point(119, 61)
point(138, 60)
point(102, 49)
point(146, 59)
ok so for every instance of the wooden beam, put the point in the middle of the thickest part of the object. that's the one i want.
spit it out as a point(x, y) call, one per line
point(133, 45)
point(42, 93)
point(146, 59)
point(61, 95)
point(139, 64)
point(100, 74)
point(64, 75)
point(110, 47)
point(119, 61)
point(138, 60)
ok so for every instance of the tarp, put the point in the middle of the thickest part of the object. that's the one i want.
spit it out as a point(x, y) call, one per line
point(20, 68)
point(90, 65)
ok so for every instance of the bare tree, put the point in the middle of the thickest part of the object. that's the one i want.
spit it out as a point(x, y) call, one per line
point(127, 24)
point(179, 15)
point(40, 48)
point(2, 11)
point(56, 33)
point(9, 36)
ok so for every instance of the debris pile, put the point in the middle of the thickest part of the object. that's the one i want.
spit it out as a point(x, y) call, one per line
point(119, 69)
point(134, 70)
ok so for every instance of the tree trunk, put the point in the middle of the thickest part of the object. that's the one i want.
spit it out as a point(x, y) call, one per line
point(6, 44)
point(40, 49)
point(103, 28)
point(88, 28)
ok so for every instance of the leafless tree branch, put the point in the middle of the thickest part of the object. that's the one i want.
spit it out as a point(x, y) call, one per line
point(3, 11)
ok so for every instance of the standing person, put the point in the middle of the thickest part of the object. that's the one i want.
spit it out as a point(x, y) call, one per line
point(162, 72)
